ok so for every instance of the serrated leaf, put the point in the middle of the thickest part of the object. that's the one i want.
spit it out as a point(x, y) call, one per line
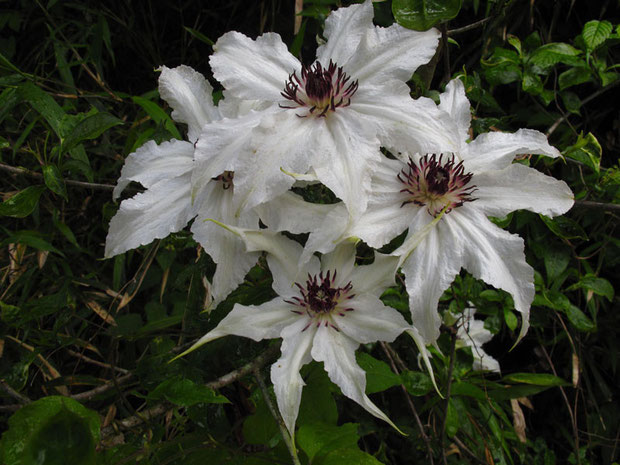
point(564, 227)
point(185, 392)
point(579, 319)
point(379, 376)
point(53, 430)
point(574, 76)
point(23, 203)
point(539, 379)
point(421, 15)
point(416, 382)
point(586, 150)
point(595, 33)
point(349, 457)
point(595, 284)
point(53, 180)
point(320, 439)
point(90, 127)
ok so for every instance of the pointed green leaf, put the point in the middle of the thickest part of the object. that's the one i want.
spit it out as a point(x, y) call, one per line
point(158, 115)
point(586, 150)
point(595, 33)
point(42, 102)
point(53, 180)
point(379, 376)
point(564, 227)
point(416, 382)
point(321, 439)
point(23, 203)
point(90, 127)
point(539, 379)
point(421, 15)
point(186, 393)
point(595, 284)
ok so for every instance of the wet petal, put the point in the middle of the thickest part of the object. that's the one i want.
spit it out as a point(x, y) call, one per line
point(190, 95)
point(496, 150)
point(520, 187)
point(164, 208)
point(152, 163)
point(253, 69)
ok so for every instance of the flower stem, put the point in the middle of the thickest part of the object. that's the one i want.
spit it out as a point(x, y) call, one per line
point(288, 439)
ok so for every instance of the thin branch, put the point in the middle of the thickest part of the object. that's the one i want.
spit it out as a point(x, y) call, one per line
point(160, 409)
point(69, 182)
point(97, 362)
point(588, 204)
point(445, 416)
point(389, 352)
point(564, 117)
point(469, 27)
point(22, 399)
point(288, 438)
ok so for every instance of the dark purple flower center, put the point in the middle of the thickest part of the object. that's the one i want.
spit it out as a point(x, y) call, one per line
point(226, 178)
point(319, 297)
point(319, 89)
point(436, 183)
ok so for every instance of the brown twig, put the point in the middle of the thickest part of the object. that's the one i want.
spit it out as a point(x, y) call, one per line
point(391, 356)
point(69, 182)
point(469, 27)
point(22, 399)
point(612, 207)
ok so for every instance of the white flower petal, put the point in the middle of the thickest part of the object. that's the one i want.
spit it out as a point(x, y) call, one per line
point(496, 150)
point(497, 257)
point(330, 232)
point(219, 148)
point(342, 258)
point(454, 102)
point(191, 97)
point(391, 53)
point(229, 253)
point(403, 124)
point(337, 352)
point(344, 28)
point(520, 187)
point(348, 159)
point(473, 334)
point(429, 270)
point(370, 320)
point(376, 277)
point(253, 69)
point(290, 212)
point(164, 208)
point(287, 382)
point(152, 163)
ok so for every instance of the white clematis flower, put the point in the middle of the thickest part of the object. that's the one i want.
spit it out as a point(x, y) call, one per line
point(472, 333)
point(323, 311)
point(457, 192)
point(165, 170)
point(328, 118)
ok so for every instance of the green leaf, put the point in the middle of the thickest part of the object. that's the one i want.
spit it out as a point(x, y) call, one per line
point(379, 376)
point(90, 127)
point(44, 104)
point(579, 319)
point(467, 389)
point(53, 430)
point(564, 227)
point(595, 284)
point(349, 457)
point(452, 419)
point(416, 382)
point(595, 33)
point(53, 180)
point(421, 15)
point(158, 115)
point(319, 439)
point(571, 102)
point(503, 67)
point(200, 36)
point(514, 392)
point(545, 57)
point(31, 238)
point(317, 402)
point(511, 319)
point(260, 427)
point(586, 150)
point(574, 76)
point(539, 379)
point(531, 83)
point(23, 203)
point(556, 260)
point(184, 392)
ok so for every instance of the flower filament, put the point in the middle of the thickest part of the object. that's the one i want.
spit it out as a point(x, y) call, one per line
point(319, 89)
point(320, 298)
point(436, 184)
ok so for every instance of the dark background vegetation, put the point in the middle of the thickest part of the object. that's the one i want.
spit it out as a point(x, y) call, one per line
point(101, 332)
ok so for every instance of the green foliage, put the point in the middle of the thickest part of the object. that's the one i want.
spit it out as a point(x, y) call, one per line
point(78, 95)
